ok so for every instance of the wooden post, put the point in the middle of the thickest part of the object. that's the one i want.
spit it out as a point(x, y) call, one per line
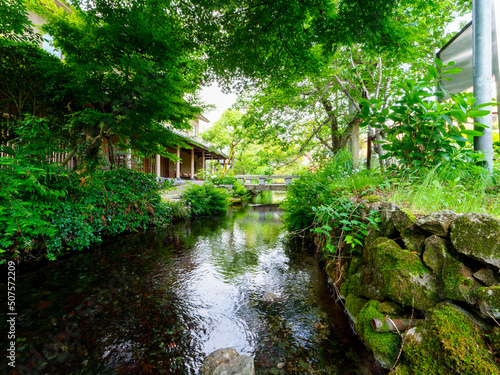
point(158, 165)
point(178, 163)
point(369, 152)
point(354, 137)
point(128, 159)
point(192, 163)
point(355, 145)
point(212, 158)
point(203, 166)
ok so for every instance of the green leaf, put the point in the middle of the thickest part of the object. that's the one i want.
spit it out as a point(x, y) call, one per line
point(453, 71)
point(478, 113)
point(474, 133)
point(432, 71)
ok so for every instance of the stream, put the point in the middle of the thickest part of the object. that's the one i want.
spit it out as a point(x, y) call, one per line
point(159, 302)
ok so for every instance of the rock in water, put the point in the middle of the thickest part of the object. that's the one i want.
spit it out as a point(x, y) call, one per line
point(241, 365)
point(216, 358)
point(269, 298)
point(227, 361)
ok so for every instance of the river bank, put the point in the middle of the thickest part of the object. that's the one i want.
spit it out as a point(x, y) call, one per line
point(438, 274)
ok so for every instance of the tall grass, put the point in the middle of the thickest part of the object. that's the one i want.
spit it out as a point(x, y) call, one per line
point(463, 189)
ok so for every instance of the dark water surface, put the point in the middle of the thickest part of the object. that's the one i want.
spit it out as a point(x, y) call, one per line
point(159, 302)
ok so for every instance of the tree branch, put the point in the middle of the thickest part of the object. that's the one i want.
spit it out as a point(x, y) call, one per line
point(344, 89)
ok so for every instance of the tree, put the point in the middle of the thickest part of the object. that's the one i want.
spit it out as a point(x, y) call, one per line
point(319, 108)
point(309, 85)
point(14, 22)
point(133, 69)
point(281, 38)
point(227, 133)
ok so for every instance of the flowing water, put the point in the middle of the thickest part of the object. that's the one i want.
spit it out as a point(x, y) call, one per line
point(158, 302)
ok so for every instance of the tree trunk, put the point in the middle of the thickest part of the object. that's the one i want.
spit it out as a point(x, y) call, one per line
point(111, 154)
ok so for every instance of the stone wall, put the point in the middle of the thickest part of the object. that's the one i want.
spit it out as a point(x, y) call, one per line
point(439, 273)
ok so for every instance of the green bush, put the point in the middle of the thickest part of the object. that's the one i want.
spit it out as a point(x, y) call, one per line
point(312, 190)
point(51, 213)
point(206, 200)
point(224, 180)
point(239, 191)
point(421, 132)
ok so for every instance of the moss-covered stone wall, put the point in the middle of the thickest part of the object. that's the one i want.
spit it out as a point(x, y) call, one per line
point(440, 271)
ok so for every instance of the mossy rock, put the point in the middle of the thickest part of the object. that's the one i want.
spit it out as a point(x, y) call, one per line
point(344, 289)
point(394, 219)
point(400, 275)
point(489, 301)
point(456, 281)
point(361, 284)
point(387, 227)
point(414, 239)
point(385, 346)
point(437, 223)
point(353, 305)
point(449, 344)
point(372, 198)
point(389, 308)
point(478, 237)
point(494, 338)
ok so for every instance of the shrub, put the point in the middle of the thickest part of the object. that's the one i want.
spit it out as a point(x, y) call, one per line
point(206, 200)
point(312, 190)
point(421, 132)
point(34, 219)
point(239, 191)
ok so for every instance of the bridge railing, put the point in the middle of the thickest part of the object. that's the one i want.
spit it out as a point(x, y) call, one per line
point(247, 179)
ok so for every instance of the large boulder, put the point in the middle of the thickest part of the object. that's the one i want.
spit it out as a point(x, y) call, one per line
point(437, 223)
point(477, 236)
point(454, 277)
point(227, 361)
point(396, 274)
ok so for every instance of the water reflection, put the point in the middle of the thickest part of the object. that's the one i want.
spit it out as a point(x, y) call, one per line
point(159, 302)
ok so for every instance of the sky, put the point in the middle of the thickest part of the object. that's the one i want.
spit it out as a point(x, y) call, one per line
point(213, 95)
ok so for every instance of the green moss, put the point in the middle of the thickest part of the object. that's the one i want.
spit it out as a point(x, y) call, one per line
point(403, 277)
point(401, 370)
point(409, 214)
point(465, 238)
point(354, 304)
point(413, 239)
point(457, 280)
point(369, 251)
point(450, 344)
point(354, 265)
point(344, 288)
point(372, 198)
point(390, 308)
point(494, 339)
point(385, 346)
point(489, 299)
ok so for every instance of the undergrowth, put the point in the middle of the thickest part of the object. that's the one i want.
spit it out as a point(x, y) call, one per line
point(48, 211)
point(206, 200)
